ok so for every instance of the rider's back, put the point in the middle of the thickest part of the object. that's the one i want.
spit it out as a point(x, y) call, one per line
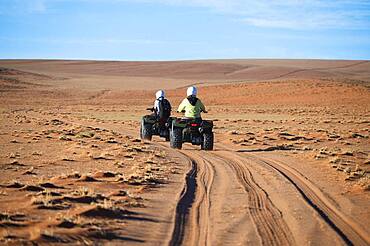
point(192, 106)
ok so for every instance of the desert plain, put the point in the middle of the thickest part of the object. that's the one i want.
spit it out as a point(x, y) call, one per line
point(290, 165)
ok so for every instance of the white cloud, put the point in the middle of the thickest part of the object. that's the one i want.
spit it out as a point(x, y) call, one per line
point(290, 14)
point(287, 14)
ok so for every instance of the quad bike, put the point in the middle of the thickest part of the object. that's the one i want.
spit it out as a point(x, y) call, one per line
point(196, 132)
point(152, 125)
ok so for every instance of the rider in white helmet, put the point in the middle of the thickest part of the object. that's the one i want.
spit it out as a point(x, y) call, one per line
point(159, 95)
point(192, 105)
point(162, 107)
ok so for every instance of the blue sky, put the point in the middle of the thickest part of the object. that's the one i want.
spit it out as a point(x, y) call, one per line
point(184, 29)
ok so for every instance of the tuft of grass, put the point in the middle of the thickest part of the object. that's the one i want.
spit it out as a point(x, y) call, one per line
point(83, 191)
point(85, 134)
point(45, 200)
point(107, 204)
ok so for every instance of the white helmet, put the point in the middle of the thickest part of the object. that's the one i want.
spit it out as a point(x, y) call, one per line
point(192, 91)
point(159, 94)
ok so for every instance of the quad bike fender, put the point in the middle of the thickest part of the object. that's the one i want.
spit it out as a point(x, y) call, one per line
point(149, 119)
point(178, 122)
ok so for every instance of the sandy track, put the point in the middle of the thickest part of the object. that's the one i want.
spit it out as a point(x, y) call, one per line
point(214, 173)
point(346, 228)
point(184, 203)
point(202, 205)
point(268, 220)
point(260, 222)
point(196, 195)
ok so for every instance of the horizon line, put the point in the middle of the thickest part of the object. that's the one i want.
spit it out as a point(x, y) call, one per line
point(177, 60)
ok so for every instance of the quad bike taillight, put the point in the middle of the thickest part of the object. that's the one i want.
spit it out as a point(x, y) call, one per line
point(194, 124)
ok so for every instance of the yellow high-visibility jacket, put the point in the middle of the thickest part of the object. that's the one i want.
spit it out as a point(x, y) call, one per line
point(191, 111)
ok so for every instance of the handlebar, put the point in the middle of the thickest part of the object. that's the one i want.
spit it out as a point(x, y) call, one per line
point(150, 109)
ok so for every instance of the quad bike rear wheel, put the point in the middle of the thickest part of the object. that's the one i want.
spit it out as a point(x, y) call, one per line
point(146, 131)
point(207, 141)
point(176, 138)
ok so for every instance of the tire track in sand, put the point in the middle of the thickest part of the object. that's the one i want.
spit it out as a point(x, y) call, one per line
point(200, 221)
point(184, 204)
point(267, 219)
point(344, 226)
point(193, 226)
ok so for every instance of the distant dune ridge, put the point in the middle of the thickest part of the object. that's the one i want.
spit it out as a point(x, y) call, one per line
point(174, 74)
point(243, 82)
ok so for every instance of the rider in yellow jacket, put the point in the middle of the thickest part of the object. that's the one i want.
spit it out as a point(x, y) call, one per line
point(192, 105)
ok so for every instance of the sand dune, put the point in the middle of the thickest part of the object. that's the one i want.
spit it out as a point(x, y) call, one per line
point(180, 73)
point(290, 165)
